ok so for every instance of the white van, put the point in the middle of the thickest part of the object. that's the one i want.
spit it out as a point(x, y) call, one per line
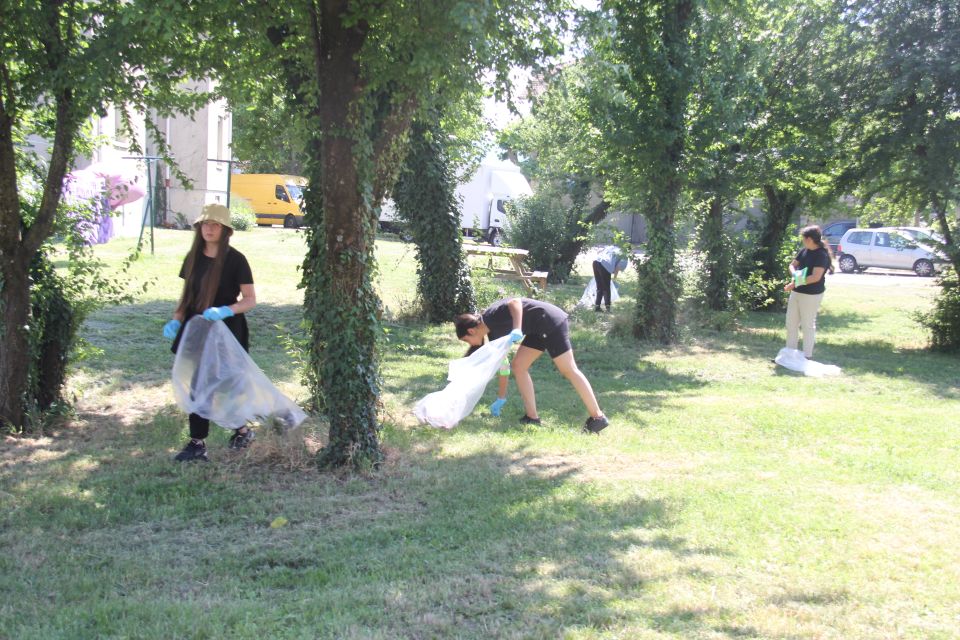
point(886, 248)
point(483, 197)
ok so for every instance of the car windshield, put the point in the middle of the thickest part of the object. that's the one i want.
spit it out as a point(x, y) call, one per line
point(925, 237)
point(295, 191)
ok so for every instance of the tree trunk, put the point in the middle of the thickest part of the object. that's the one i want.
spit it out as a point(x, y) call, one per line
point(340, 300)
point(781, 207)
point(14, 343)
point(658, 287)
point(717, 263)
point(18, 245)
point(949, 245)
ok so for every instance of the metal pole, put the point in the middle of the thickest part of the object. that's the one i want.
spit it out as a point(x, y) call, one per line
point(150, 201)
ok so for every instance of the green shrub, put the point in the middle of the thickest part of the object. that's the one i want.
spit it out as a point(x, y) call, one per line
point(943, 320)
point(540, 224)
point(241, 214)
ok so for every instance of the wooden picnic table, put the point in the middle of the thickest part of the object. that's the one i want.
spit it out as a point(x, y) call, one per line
point(516, 258)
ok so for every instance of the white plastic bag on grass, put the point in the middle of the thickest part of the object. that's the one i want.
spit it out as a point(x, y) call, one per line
point(215, 378)
point(794, 360)
point(468, 378)
point(589, 297)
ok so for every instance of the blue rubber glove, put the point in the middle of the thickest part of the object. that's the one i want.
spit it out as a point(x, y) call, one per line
point(516, 336)
point(170, 329)
point(497, 406)
point(218, 313)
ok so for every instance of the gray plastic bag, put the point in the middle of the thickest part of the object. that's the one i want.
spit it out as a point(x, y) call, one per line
point(468, 378)
point(215, 378)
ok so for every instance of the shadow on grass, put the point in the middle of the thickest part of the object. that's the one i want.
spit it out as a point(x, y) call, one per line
point(938, 372)
point(489, 544)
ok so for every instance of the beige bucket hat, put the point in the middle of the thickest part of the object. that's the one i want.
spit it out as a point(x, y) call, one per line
point(216, 213)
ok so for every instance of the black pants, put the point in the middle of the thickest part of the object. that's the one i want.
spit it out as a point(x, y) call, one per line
point(602, 276)
point(199, 427)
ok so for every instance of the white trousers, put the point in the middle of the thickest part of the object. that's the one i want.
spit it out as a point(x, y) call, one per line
point(802, 314)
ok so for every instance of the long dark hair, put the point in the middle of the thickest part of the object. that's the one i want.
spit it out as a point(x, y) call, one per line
point(814, 233)
point(211, 279)
point(464, 322)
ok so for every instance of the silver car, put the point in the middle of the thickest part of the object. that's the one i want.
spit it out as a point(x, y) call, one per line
point(886, 248)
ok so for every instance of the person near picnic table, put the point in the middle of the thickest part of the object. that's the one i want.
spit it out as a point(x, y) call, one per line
point(608, 264)
point(217, 284)
point(541, 327)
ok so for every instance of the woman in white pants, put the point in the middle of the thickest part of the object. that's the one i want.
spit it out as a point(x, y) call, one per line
point(807, 292)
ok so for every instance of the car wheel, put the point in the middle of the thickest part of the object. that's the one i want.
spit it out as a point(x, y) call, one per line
point(923, 268)
point(289, 222)
point(495, 237)
point(848, 264)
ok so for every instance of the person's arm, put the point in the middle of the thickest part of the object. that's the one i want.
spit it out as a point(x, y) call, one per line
point(502, 387)
point(516, 312)
point(793, 266)
point(816, 276)
point(247, 301)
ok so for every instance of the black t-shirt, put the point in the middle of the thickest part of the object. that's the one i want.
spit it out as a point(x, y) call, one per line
point(538, 318)
point(236, 271)
point(811, 259)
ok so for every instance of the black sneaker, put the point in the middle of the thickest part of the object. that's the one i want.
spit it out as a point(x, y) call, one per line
point(195, 450)
point(241, 440)
point(596, 425)
point(528, 420)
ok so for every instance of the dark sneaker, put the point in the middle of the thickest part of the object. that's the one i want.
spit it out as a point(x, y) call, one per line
point(596, 425)
point(242, 440)
point(195, 450)
point(528, 420)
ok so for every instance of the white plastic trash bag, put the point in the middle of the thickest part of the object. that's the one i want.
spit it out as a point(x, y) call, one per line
point(215, 378)
point(589, 297)
point(468, 378)
point(794, 360)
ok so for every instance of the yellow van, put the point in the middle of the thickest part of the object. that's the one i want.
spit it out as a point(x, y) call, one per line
point(275, 198)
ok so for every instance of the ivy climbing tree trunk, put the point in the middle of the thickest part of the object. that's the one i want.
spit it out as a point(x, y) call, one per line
point(714, 246)
point(425, 199)
point(341, 304)
point(658, 286)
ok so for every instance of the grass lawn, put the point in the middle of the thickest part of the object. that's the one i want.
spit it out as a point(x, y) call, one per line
point(729, 498)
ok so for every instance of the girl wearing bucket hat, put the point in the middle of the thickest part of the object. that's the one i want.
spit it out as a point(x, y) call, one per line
point(218, 284)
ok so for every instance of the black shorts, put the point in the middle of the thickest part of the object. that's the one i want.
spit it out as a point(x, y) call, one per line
point(556, 343)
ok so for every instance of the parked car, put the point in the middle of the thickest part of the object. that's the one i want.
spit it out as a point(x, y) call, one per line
point(887, 248)
point(835, 230)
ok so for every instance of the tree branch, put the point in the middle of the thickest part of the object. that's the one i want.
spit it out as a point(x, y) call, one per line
point(388, 152)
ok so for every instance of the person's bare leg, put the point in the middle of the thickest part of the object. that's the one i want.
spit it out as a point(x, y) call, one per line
point(521, 375)
point(568, 367)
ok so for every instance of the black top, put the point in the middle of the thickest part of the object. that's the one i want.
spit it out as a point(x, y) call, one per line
point(811, 259)
point(236, 271)
point(538, 318)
